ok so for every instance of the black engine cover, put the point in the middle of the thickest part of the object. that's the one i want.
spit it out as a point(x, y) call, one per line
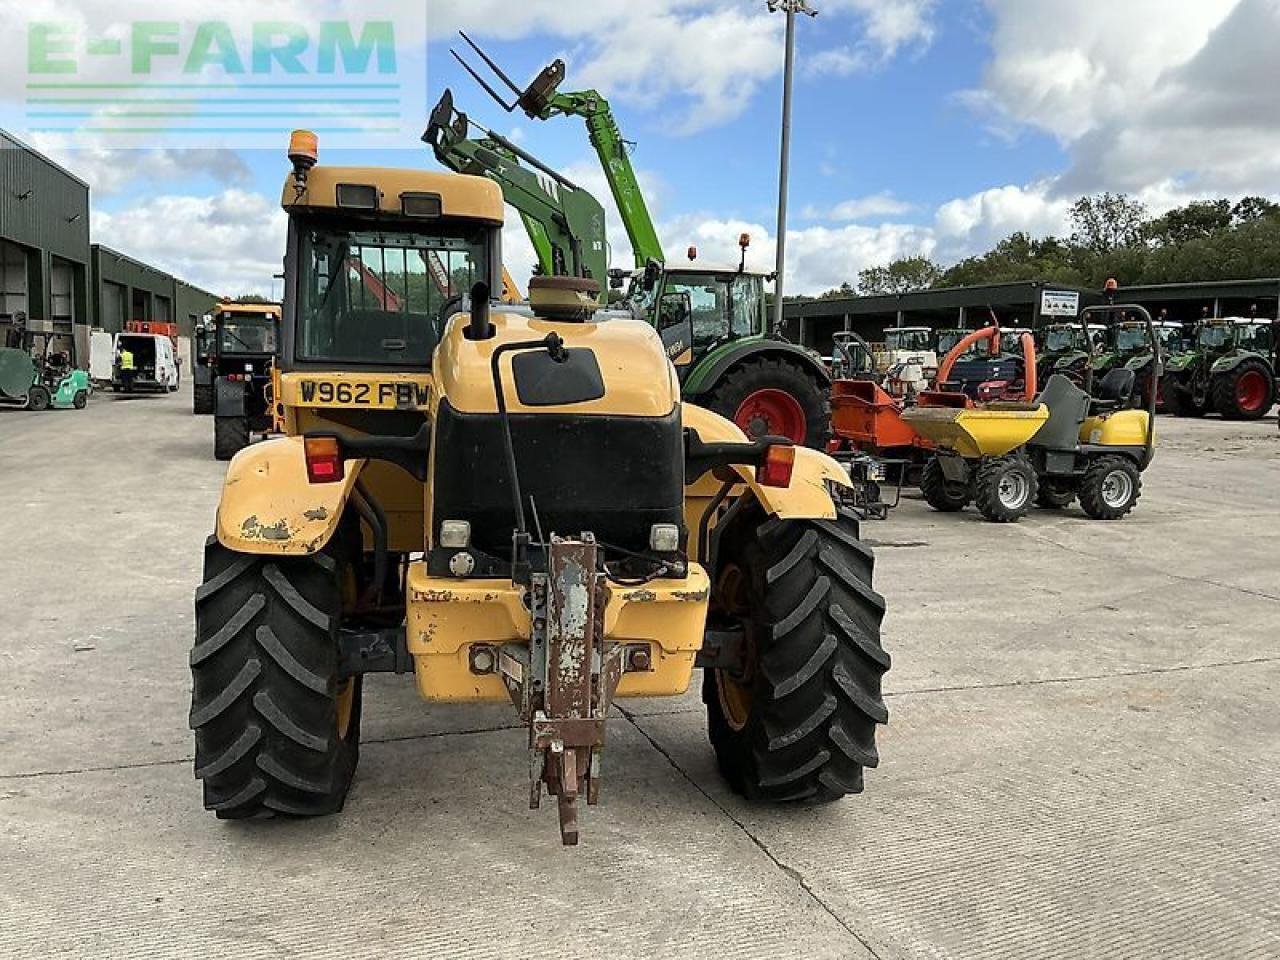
point(610, 475)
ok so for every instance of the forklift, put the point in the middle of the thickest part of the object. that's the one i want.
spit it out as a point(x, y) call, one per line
point(36, 376)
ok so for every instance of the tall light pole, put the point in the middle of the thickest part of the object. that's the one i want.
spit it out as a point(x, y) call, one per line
point(791, 8)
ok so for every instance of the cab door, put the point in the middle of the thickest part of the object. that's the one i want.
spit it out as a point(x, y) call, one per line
point(675, 326)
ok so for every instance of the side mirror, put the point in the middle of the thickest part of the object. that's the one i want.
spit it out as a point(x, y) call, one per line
point(617, 279)
point(652, 272)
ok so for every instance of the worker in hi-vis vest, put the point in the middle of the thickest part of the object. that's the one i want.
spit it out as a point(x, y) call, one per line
point(127, 368)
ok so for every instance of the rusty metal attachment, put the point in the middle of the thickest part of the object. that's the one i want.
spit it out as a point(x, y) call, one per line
point(564, 681)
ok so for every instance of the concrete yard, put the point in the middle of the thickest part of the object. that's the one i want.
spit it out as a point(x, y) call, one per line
point(1083, 756)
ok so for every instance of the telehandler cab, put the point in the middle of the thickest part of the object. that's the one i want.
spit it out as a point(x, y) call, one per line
point(510, 508)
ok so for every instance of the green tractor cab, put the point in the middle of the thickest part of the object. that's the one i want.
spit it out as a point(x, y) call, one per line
point(1066, 348)
point(714, 325)
point(1132, 351)
point(1229, 369)
point(36, 376)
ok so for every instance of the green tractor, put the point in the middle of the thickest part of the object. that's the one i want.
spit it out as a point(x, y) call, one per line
point(1063, 349)
point(714, 321)
point(1131, 350)
point(1229, 369)
point(36, 376)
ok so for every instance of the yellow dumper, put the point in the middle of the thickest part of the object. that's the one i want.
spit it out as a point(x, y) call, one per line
point(1074, 441)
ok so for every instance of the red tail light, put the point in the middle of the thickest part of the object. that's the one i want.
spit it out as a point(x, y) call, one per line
point(775, 471)
point(324, 459)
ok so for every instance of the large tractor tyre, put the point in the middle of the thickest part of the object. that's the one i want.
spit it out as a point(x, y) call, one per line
point(39, 398)
point(277, 731)
point(202, 399)
point(230, 436)
point(798, 721)
point(1111, 488)
point(1005, 488)
point(1246, 393)
point(1182, 402)
point(1055, 495)
point(773, 397)
point(945, 496)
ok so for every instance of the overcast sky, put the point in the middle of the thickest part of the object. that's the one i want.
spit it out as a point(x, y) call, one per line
point(922, 126)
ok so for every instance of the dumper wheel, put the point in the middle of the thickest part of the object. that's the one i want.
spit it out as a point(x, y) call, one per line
point(1246, 393)
point(202, 399)
point(942, 494)
point(277, 730)
point(1111, 488)
point(797, 720)
point(1005, 488)
point(230, 436)
point(776, 398)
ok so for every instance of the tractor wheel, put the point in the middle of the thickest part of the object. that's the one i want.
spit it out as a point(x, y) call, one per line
point(230, 436)
point(80, 400)
point(38, 398)
point(277, 730)
point(1055, 495)
point(1246, 393)
point(945, 496)
point(798, 721)
point(202, 399)
point(774, 398)
point(1005, 488)
point(1111, 488)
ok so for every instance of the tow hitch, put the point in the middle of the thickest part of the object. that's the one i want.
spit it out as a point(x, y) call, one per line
point(564, 681)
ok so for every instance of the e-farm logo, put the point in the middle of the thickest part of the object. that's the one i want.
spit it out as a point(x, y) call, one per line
point(223, 83)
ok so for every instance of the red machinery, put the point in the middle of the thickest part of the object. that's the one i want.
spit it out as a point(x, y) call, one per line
point(866, 418)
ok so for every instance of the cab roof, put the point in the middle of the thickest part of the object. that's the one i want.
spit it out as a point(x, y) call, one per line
point(271, 308)
point(461, 196)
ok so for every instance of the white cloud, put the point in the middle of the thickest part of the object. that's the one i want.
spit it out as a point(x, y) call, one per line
point(861, 208)
point(892, 25)
point(711, 64)
point(108, 170)
point(1144, 92)
point(969, 224)
point(229, 243)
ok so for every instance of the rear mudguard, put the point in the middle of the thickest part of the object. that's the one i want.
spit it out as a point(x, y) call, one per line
point(1232, 360)
point(269, 507)
point(1181, 362)
point(712, 369)
point(806, 498)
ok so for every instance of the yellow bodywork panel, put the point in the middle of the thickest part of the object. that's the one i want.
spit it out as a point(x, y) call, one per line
point(446, 617)
point(638, 380)
point(806, 498)
point(474, 198)
point(977, 433)
point(269, 507)
point(1125, 428)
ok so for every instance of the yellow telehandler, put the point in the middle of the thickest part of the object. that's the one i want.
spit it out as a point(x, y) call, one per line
point(509, 503)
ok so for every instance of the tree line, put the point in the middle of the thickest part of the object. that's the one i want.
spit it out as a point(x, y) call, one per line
point(1112, 235)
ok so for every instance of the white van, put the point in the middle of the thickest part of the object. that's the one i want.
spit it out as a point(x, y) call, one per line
point(155, 363)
